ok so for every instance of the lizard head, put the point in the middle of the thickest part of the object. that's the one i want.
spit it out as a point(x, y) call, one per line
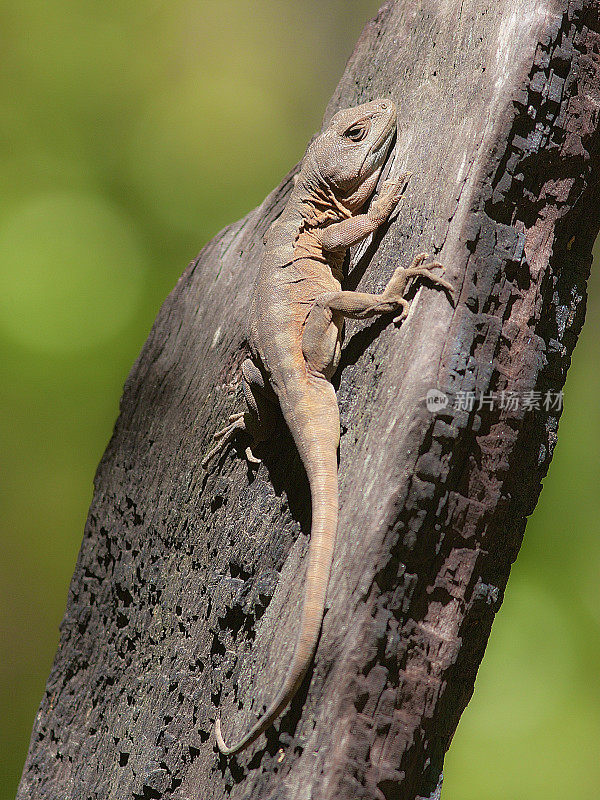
point(349, 155)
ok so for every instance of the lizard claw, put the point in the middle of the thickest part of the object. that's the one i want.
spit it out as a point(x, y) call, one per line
point(418, 260)
point(251, 458)
point(399, 318)
point(397, 185)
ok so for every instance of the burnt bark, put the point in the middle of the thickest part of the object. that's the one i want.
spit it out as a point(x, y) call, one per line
point(186, 594)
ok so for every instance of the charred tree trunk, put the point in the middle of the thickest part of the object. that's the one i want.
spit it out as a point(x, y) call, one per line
point(187, 591)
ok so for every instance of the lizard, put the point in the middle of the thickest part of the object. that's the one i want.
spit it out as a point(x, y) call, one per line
point(295, 329)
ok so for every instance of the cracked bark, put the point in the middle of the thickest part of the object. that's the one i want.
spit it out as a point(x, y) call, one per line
point(186, 593)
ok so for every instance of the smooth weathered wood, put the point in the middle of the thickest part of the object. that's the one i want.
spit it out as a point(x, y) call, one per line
point(189, 584)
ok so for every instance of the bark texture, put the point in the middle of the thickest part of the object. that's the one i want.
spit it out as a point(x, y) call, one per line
point(187, 590)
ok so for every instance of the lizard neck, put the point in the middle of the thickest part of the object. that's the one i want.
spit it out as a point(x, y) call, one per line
point(312, 205)
point(318, 203)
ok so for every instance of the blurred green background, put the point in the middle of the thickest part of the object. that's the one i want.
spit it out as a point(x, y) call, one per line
point(131, 133)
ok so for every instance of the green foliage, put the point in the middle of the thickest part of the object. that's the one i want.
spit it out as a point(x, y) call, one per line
point(132, 132)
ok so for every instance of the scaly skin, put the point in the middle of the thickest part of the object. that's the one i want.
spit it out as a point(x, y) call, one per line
point(296, 321)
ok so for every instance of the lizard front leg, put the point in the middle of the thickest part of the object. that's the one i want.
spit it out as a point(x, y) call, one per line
point(341, 235)
point(361, 305)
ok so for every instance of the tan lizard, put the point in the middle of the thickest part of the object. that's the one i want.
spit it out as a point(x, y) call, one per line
point(296, 321)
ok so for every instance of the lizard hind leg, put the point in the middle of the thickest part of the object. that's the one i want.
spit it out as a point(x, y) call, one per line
point(253, 421)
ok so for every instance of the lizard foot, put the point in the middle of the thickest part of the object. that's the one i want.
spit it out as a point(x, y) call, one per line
point(389, 197)
point(399, 280)
point(236, 423)
point(416, 268)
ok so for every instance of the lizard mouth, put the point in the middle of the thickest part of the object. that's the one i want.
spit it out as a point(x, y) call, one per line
point(387, 134)
point(375, 157)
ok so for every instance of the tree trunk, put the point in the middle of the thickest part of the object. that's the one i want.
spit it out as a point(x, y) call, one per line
point(186, 595)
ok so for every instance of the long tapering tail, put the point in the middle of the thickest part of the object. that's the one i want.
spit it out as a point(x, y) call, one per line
point(321, 466)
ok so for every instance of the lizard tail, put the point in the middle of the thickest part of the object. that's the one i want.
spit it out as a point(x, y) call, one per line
point(321, 467)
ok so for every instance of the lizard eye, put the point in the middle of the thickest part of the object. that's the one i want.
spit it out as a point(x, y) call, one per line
point(356, 133)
